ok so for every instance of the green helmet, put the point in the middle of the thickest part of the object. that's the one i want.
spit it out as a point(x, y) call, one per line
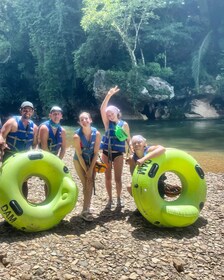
point(120, 133)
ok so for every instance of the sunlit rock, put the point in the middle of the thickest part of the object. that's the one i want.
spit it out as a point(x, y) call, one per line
point(157, 100)
point(161, 89)
point(201, 109)
point(100, 85)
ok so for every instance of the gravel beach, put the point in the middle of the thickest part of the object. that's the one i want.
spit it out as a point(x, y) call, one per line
point(118, 244)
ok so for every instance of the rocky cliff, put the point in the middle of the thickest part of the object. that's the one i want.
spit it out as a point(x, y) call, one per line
point(160, 101)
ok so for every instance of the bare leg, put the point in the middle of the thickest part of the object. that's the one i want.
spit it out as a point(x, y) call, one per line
point(108, 177)
point(118, 168)
point(87, 186)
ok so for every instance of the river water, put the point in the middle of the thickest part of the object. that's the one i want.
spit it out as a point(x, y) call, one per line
point(203, 139)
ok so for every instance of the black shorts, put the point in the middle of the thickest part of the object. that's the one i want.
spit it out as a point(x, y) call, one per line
point(113, 155)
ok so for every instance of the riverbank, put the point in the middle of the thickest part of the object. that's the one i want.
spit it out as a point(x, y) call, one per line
point(210, 161)
point(118, 244)
point(202, 138)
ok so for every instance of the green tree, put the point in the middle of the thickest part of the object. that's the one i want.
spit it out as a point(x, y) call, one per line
point(125, 17)
point(16, 67)
point(210, 49)
point(54, 32)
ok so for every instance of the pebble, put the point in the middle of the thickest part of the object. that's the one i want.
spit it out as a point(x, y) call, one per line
point(118, 245)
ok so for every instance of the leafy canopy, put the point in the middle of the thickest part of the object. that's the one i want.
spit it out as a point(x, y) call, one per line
point(125, 17)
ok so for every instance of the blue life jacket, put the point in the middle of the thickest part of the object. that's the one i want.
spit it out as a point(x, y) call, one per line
point(54, 141)
point(87, 147)
point(135, 157)
point(110, 142)
point(22, 139)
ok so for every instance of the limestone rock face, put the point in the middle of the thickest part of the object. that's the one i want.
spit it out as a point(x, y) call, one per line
point(157, 100)
point(202, 109)
point(100, 85)
point(161, 89)
point(157, 90)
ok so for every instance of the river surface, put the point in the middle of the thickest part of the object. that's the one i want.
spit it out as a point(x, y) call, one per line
point(203, 139)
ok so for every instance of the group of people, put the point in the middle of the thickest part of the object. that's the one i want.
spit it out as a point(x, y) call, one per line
point(20, 133)
point(88, 142)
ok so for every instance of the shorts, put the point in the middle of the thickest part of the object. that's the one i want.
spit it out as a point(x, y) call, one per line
point(113, 155)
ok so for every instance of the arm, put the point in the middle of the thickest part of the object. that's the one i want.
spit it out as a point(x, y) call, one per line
point(127, 130)
point(9, 126)
point(127, 146)
point(132, 165)
point(104, 104)
point(153, 151)
point(95, 156)
point(2, 140)
point(2, 146)
point(78, 151)
point(35, 136)
point(43, 137)
point(63, 144)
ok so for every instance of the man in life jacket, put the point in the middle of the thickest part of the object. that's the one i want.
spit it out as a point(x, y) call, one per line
point(20, 134)
point(51, 135)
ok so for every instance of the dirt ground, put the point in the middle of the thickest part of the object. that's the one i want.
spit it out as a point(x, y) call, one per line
point(119, 244)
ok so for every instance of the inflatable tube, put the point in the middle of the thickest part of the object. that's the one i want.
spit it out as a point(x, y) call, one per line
point(27, 216)
point(181, 212)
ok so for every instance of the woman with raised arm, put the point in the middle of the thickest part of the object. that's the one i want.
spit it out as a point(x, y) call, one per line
point(114, 144)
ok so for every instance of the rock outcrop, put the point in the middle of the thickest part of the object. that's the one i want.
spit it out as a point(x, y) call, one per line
point(158, 100)
point(202, 109)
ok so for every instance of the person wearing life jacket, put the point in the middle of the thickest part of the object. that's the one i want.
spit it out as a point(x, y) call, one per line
point(87, 144)
point(51, 135)
point(141, 153)
point(20, 134)
point(113, 146)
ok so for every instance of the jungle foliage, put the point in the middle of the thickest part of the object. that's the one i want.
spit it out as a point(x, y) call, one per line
point(50, 50)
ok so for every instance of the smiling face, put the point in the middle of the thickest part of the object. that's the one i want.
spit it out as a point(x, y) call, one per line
point(26, 112)
point(56, 116)
point(84, 119)
point(138, 143)
point(113, 113)
point(111, 116)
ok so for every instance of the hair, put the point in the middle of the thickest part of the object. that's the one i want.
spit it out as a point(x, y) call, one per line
point(114, 110)
point(138, 138)
point(88, 114)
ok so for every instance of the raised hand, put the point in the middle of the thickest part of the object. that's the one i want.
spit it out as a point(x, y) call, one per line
point(113, 90)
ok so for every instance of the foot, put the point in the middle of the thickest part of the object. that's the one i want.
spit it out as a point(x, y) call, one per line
point(120, 202)
point(87, 216)
point(109, 204)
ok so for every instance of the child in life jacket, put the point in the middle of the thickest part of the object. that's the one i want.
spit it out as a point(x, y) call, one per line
point(141, 153)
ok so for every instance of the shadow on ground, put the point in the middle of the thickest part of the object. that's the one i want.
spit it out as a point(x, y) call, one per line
point(142, 229)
